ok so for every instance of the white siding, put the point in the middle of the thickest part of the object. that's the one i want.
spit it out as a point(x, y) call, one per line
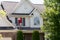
point(36, 14)
point(41, 21)
point(27, 23)
point(24, 8)
point(31, 22)
point(13, 20)
point(4, 22)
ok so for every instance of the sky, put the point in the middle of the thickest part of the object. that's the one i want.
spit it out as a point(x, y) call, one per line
point(33, 1)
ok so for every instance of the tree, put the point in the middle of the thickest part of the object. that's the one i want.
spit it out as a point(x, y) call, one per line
point(51, 18)
point(19, 35)
point(35, 35)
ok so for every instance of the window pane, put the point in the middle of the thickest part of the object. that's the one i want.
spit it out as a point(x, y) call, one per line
point(36, 21)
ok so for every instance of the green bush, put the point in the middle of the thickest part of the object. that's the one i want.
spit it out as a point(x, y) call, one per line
point(19, 35)
point(35, 35)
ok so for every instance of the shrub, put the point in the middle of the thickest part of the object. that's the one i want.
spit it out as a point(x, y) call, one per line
point(19, 35)
point(35, 35)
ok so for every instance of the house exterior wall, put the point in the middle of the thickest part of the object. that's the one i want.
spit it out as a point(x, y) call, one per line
point(12, 19)
point(4, 22)
point(24, 7)
point(36, 13)
point(27, 20)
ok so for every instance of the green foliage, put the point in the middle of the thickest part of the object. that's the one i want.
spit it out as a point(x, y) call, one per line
point(35, 35)
point(52, 19)
point(19, 35)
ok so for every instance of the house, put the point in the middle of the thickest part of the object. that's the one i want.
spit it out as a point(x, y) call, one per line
point(24, 16)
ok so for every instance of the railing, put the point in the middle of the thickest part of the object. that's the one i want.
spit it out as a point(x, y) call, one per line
point(19, 28)
point(6, 28)
point(27, 28)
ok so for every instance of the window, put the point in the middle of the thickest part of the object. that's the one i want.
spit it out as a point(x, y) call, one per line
point(20, 21)
point(36, 21)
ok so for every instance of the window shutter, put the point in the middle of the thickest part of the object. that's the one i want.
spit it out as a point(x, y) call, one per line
point(16, 22)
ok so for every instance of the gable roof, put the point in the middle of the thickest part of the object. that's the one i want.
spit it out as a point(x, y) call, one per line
point(24, 7)
point(40, 7)
point(9, 6)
